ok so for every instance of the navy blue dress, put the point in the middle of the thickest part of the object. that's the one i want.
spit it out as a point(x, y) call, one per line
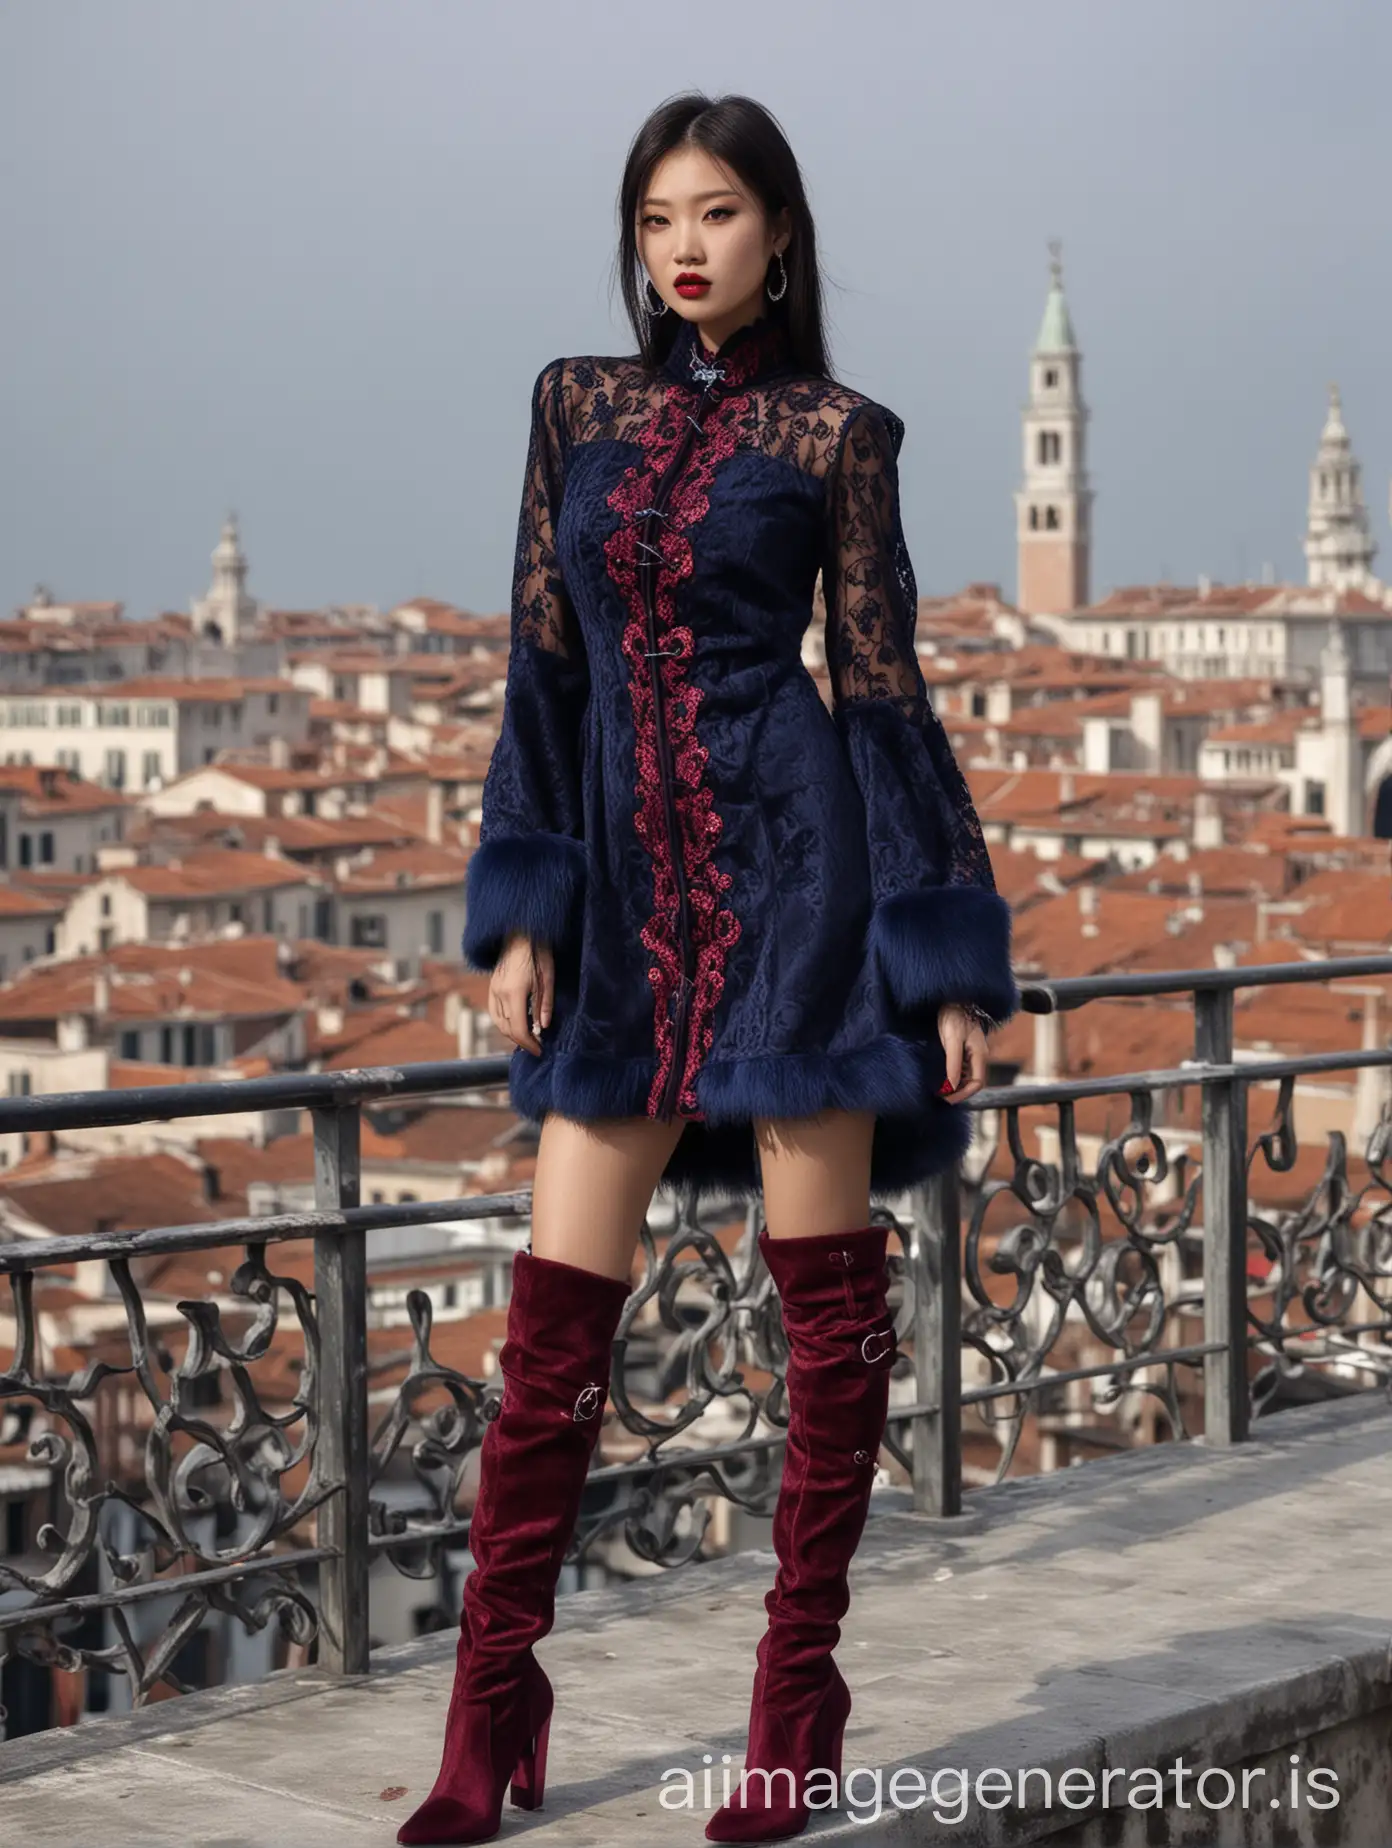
point(755, 907)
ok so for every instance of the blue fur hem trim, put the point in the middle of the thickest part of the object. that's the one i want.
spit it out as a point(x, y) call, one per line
point(946, 943)
point(526, 882)
point(916, 1134)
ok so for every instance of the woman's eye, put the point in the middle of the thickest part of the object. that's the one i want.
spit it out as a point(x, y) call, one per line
point(656, 218)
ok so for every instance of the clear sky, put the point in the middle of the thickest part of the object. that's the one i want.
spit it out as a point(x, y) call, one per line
point(304, 258)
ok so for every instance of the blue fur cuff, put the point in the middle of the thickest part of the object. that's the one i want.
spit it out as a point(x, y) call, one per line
point(946, 943)
point(521, 882)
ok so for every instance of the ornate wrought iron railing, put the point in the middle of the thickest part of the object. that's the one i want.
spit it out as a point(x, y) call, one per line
point(1137, 1261)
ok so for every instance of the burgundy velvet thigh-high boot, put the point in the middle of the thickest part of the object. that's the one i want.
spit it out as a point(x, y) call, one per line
point(841, 1348)
point(533, 1462)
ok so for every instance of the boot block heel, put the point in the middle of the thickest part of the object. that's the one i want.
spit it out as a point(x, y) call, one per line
point(529, 1778)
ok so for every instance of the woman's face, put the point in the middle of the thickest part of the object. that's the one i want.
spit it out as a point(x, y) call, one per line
point(697, 219)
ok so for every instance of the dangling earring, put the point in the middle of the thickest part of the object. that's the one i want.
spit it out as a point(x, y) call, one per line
point(647, 299)
point(783, 272)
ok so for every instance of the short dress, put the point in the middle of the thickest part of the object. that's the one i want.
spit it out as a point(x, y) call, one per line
point(756, 904)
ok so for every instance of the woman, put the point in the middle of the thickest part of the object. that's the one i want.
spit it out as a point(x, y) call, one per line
point(758, 943)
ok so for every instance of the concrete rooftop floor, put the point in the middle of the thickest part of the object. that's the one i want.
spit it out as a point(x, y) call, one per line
point(1177, 1600)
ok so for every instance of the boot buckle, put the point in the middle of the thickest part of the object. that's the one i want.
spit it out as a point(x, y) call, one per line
point(885, 1335)
point(588, 1403)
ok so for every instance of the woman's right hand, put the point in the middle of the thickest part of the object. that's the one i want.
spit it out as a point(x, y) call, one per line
point(524, 971)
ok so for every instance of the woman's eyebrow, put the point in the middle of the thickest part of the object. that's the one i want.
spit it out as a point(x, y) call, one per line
point(721, 192)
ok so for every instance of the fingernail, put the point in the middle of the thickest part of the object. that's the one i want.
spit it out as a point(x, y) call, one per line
point(946, 1088)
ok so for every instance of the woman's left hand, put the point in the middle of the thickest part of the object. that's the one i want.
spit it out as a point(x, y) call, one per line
point(964, 1043)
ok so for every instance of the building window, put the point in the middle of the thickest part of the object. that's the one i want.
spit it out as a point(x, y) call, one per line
point(1314, 797)
point(116, 769)
point(26, 850)
point(368, 932)
point(1034, 519)
point(130, 1044)
point(19, 1084)
point(1051, 519)
point(268, 914)
point(1050, 446)
point(1050, 377)
point(435, 932)
point(150, 768)
point(46, 848)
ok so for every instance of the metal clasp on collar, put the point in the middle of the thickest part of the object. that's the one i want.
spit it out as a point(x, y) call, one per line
point(886, 1335)
point(706, 373)
point(590, 1401)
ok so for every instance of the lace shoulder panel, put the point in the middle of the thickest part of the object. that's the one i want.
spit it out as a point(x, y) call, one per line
point(806, 421)
point(607, 396)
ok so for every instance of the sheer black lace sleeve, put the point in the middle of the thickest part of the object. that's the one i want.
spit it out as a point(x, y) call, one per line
point(541, 612)
point(527, 874)
point(939, 927)
point(872, 606)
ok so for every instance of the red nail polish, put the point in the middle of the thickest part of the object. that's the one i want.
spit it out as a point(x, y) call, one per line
point(946, 1088)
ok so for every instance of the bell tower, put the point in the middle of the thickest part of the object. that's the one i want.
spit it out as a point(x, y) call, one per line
point(1339, 544)
point(226, 614)
point(1053, 508)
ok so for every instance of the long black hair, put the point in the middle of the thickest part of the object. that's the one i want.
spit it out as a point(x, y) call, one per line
point(745, 138)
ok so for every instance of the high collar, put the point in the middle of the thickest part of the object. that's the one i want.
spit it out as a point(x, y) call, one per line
point(749, 353)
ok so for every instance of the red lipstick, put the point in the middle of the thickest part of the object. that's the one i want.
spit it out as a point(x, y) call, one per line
point(690, 284)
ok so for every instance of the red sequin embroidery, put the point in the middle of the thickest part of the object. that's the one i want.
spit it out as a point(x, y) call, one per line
point(714, 927)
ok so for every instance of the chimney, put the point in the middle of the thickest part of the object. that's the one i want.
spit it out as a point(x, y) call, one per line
point(101, 992)
point(1208, 821)
point(434, 813)
point(1048, 1048)
point(1067, 788)
point(1370, 1092)
point(1087, 909)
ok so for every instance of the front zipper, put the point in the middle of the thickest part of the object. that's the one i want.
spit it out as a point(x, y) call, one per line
point(681, 1011)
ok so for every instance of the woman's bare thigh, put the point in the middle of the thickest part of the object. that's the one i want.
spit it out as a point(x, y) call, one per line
point(594, 1184)
point(816, 1171)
